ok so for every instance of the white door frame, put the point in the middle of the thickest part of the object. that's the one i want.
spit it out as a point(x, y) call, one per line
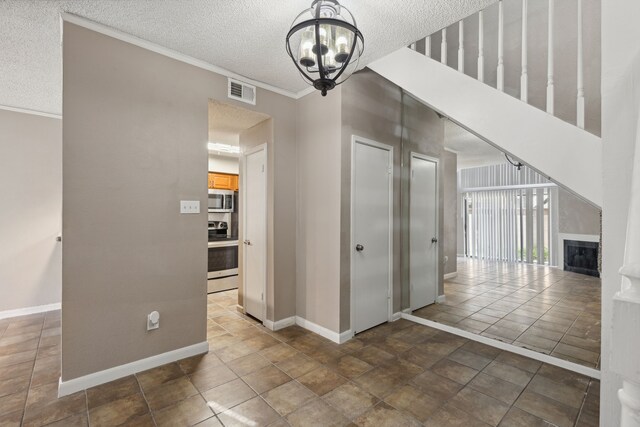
point(248, 152)
point(360, 140)
point(437, 162)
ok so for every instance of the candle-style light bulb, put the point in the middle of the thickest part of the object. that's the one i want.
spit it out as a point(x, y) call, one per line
point(344, 40)
point(306, 57)
point(325, 40)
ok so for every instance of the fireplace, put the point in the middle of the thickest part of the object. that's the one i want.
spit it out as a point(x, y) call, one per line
point(581, 257)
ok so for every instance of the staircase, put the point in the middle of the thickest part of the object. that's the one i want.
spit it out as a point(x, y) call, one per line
point(562, 151)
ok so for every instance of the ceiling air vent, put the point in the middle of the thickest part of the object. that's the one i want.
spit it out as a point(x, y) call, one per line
point(242, 92)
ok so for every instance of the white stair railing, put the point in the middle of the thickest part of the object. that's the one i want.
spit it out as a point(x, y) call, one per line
point(525, 83)
point(524, 76)
point(626, 308)
point(500, 69)
point(580, 79)
point(481, 46)
point(443, 47)
point(550, 83)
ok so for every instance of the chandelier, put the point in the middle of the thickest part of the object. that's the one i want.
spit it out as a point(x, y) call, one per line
point(325, 44)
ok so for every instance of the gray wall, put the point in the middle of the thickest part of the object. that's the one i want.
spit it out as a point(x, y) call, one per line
point(31, 210)
point(450, 200)
point(318, 226)
point(134, 134)
point(374, 108)
point(575, 216)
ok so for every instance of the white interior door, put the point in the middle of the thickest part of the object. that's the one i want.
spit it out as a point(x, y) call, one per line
point(371, 234)
point(423, 232)
point(255, 233)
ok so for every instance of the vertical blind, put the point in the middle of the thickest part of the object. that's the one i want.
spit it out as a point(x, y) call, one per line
point(507, 214)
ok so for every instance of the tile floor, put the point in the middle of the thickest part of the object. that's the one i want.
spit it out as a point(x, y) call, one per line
point(540, 308)
point(397, 374)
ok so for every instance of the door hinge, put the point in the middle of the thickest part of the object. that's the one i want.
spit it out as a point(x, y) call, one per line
point(413, 173)
point(389, 170)
point(262, 168)
point(262, 296)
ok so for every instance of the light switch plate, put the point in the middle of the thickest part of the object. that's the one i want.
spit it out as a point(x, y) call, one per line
point(189, 206)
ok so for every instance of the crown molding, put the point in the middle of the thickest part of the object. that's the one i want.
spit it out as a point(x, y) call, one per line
point(32, 112)
point(145, 44)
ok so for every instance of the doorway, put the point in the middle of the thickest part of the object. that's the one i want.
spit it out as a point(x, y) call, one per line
point(371, 238)
point(255, 231)
point(423, 225)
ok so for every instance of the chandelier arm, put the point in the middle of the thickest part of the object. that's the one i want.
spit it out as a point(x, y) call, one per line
point(319, 49)
point(357, 61)
point(330, 21)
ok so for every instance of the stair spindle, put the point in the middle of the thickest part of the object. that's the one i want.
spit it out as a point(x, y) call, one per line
point(550, 82)
point(461, 46)
point(427, 46)
point(481, 46)
point(443, 47)
point(580, 97)
point(500, 70)
point(524, 77)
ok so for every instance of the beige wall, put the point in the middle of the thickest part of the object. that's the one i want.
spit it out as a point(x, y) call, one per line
point(31, 210)
point(575, 216)
point(318, 192)
point(135, 133)
point(374, 108)
point(450, 200)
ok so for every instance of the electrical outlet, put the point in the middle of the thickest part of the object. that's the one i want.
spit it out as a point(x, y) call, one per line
point(153, 320)
point(189, 206)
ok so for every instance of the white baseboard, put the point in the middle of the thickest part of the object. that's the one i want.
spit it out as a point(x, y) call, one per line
point(66, 388)
point(441, 298)
point(280, 324)
point(450, 275)
point(544, 358)
point(29, 310)
point(398, 315)
point(324, 332)
point(345, 336)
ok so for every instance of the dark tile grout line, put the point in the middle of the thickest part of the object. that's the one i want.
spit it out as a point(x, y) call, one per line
point(86, 404)
point(144, 396)
point(33, 366)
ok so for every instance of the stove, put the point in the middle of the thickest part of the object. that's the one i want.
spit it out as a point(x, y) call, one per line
point(217, 230)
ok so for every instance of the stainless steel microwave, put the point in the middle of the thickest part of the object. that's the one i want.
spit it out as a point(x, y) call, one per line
point(220, 201)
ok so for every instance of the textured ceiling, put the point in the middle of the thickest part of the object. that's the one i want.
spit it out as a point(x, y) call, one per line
point(472, 151)
point(227, 121)
point(246, 37)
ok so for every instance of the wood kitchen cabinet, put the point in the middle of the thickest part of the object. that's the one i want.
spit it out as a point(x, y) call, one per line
point(234, 182)
point(223, 181)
